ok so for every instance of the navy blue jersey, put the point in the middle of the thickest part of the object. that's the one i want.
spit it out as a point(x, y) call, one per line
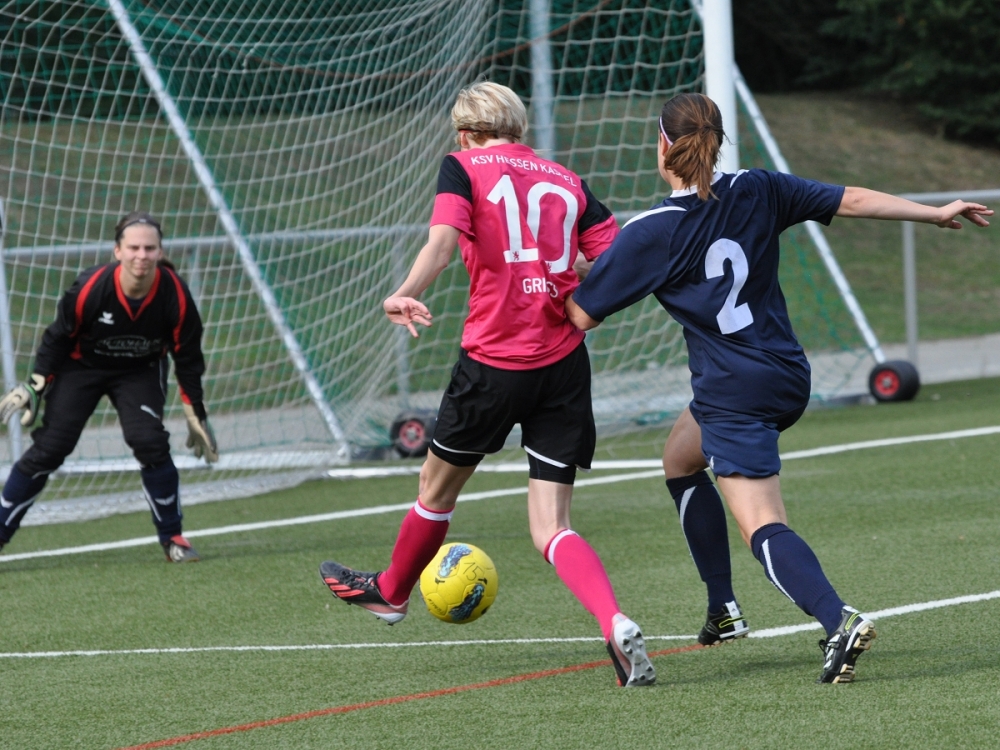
point(714, 266)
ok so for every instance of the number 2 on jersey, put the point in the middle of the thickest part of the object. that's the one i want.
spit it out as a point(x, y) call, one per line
point(518, 253)
point(731, 318)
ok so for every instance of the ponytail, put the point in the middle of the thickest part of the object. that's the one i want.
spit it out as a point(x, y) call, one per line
point(692, 125)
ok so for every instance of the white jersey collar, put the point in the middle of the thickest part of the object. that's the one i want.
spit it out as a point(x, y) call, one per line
point(694, 188)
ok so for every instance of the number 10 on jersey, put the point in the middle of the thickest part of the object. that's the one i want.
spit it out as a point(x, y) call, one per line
point(518, 253)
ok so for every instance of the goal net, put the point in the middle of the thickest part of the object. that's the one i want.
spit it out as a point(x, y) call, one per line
point(291, 150)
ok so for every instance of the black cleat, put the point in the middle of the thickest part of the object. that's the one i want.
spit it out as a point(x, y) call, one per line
point(355, 587)
point(851, 639)
point(178, 549)
point(723, 626)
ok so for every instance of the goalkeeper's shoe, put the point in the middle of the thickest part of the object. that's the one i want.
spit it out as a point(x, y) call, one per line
point(627, 648)
point(841, 650)
point(355, 587)
point(723, 626)
point(178, 549)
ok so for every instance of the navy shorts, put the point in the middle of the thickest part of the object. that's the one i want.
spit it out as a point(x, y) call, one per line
point(552, 404)
point(743, 445)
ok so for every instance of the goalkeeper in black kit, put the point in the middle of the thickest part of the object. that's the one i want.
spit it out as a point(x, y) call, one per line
point(111, 337)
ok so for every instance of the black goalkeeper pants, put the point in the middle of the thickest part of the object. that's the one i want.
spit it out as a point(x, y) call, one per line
point(137, 395)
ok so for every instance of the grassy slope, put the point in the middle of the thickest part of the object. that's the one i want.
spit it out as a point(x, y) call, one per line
point(892, 527)
point(837, 138)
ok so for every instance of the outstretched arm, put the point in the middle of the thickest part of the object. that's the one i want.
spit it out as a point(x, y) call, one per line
point(402, 307)
point(861, 203)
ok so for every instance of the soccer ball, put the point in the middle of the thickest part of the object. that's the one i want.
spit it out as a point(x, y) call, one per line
point(459, 584)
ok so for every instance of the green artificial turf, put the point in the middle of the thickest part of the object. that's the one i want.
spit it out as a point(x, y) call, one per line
point(892, 526)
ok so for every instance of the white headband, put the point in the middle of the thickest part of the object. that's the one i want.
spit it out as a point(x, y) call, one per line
point(664, 132)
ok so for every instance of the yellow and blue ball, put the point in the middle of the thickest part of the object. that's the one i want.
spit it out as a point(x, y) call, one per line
point(459, 584)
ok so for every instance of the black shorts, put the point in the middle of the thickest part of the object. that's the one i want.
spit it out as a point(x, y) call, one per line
point(552, 404)
point(138, 396)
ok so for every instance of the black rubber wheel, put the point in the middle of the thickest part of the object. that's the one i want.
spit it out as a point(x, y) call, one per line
point(412, 431)
point(896, 380)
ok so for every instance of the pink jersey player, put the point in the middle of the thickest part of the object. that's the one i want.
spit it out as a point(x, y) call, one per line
point(522, 222)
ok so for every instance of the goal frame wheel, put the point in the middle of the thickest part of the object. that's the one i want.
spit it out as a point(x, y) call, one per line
point(411, 432)
point(895, 380)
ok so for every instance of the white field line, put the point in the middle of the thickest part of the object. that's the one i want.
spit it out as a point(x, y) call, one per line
point(767, 633)
point(300, 520)
point(892, 612)
point(513, 467)
point(866, 444)
point(323, 647)
point(472, 496)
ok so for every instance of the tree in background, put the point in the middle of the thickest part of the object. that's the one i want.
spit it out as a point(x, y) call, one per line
point(943, 56)
point(776, 40)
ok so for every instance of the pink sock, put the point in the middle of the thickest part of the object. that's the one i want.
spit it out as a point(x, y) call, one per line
point(581, 570)
point(420, 537)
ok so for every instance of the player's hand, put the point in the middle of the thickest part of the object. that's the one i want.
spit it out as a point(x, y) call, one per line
point(201, 439)
point(582, 266)
point(973, 212)
point(26, 396)
point(405, 311)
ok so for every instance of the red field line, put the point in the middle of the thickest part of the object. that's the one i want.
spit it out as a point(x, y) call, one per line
point(180, 740)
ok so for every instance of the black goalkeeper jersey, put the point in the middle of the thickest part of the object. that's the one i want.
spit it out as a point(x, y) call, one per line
point(97, 327)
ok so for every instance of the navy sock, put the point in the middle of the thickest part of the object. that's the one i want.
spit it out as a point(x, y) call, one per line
point(703, 521)
point(19, 492)
point(792, 567)
point(162, 485)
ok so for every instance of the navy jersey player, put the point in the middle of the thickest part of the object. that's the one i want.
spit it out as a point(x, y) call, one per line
point(709, 254)
point(113, 331)
point(523, 224)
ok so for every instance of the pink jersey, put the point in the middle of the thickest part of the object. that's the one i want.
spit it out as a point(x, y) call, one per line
point(523, 220)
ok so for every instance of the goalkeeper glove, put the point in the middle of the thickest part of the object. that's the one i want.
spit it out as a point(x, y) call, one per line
point(25, 396)
point(201, 439)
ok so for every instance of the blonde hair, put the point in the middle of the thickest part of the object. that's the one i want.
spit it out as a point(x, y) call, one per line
point(693, 123)
point(488, 110)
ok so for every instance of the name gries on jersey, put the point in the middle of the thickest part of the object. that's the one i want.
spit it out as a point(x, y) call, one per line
point(539, 286)
point(517, 163)
point(130, 347)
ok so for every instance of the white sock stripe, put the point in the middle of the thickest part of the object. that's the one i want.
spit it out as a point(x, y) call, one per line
point(770, 571)
point(431, 515)
point(150, 503)
point(31, 499)
point(540, 457)
point(551, 555)
point(685, 499)
point(684, 506)
point(17, 509)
